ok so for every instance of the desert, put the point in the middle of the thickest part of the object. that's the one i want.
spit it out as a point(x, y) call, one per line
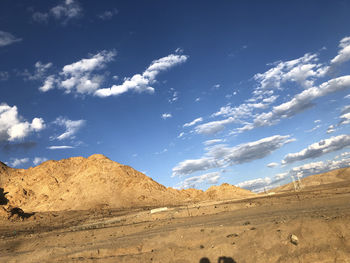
point(222, 224)
point(174, 131)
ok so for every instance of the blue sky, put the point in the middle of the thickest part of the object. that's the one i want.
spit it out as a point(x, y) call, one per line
point(192, 93)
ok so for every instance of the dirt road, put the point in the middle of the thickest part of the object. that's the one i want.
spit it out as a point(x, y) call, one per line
point(251, 230)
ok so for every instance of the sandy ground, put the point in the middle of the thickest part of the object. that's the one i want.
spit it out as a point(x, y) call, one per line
point(251, 230)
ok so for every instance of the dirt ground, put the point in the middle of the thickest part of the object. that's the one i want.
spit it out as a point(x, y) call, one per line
point(257, 229)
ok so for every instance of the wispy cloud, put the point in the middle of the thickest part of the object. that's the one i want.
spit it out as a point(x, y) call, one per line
point(7, 39)
point(108, 14)
point(319, 148)
point(64, 12)
point(72, 127)
point(194, 122)
point(39, 160)
point(196, 181)
point(222, 155)
point(18, 162)
point(59, 147)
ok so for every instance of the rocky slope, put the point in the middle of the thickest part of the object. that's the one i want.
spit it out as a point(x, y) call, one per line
point(95, 182)
point(334, 176)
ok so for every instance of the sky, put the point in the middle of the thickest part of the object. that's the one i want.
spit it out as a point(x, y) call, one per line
point(191, 93)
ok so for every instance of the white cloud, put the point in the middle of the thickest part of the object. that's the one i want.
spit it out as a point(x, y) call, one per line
point(303, 70)
point(259, 184)
point(4, 75)
point(40, 71)
point(216, 86)
point(72, 127)
point(317, 121)
point(342, 155)
point(80, 77)
point(195, 181)
point(7, 39)
point(64, 12)
point(49, 84)
point(318, 167)
point(272, 165)
point(174, 97)
point(166, 116)
point(181, 135)
point(142, 82)
point(255, 183)
point(344, 52)
point(239, 114)
point(191, 166)
point(222, 155)
point(18, 162)
point(13, 128)
point(314, 128)
point(319, 148)
point(194, 122)
point(330, 129)
point(108, 14)
point(211, 142)
point(60, 147)
point(298, 103)
point(39, 160)
point(213, 126)
point(197, 99)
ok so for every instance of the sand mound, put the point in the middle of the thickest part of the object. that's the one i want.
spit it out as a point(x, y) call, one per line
point(334, 176)
point(96, 182)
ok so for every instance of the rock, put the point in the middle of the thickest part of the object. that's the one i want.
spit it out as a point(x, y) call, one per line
point(294, 239)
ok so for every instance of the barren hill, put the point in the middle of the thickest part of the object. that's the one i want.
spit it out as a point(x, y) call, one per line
point(334, 176)
point(81, 183)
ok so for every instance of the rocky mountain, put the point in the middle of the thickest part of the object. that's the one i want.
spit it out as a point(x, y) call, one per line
point(81, 183)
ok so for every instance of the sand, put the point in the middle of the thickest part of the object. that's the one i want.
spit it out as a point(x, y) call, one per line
point(311, 225)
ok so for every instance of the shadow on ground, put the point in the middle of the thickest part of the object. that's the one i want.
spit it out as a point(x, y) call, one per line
point(220, 260)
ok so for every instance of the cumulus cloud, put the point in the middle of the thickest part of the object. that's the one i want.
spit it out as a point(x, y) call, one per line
point(222, 155)
point(18, 162)
point(166, 116)
point(7, 39)
point(195, 181)
point(72, 127)
point(194, 122)
point(344, 52)
point(59, 147)
point(13, 127)
point(142, 82)
point(39, 160)
point(64, 12)
point(80, 77)
point(319, 148)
